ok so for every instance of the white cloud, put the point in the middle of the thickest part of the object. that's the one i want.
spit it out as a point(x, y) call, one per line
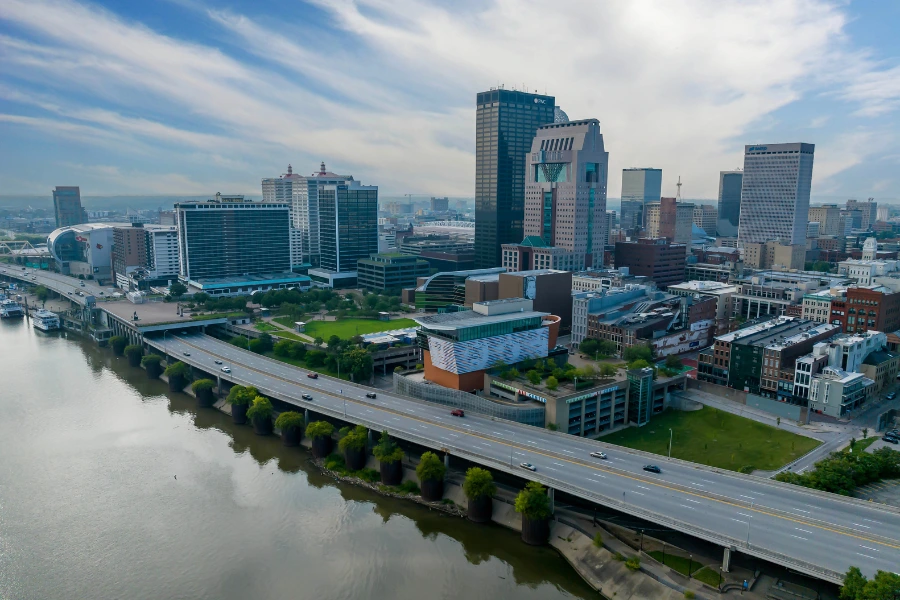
point(674, 85)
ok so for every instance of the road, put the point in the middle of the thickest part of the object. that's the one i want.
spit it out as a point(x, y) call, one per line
point(761, 517)
point(62, 284)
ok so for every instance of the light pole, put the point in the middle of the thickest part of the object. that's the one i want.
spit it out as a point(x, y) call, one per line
point(670, 443)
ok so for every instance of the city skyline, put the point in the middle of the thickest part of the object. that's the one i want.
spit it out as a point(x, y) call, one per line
point(197, 128)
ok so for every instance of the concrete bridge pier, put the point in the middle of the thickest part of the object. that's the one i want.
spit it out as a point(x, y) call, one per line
point(550, 493)
point(219, 385)
point(726, 560)
point(447, 459)
point(305, 417)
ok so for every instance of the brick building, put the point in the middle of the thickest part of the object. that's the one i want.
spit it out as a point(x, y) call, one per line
point(662, 262)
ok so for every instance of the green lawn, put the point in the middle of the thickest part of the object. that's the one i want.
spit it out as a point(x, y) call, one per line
point(303, 365)
point(287, 334)
point(716, 438)
point(708, 576)
point(347, 328)
point(263, 326)
point(676, 562)
point(287, 321)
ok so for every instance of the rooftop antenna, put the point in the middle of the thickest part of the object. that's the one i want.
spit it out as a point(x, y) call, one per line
point(678, 185)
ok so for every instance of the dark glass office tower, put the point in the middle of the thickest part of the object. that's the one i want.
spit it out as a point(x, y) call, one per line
point(505, 123)
point(729, 202)
point(67, 206)
point(348, 225)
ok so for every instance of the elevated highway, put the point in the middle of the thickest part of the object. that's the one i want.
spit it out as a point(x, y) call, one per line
point(815, 533)
point(61, 284)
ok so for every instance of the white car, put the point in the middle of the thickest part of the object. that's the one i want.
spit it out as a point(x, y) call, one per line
point(528, 466)
point(226, 369)
point(598, 454)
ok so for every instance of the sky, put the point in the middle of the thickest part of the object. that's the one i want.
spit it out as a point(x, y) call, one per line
point(176, 97)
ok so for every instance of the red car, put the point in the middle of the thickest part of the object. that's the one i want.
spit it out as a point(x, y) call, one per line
point(312, 375)
point(458, 413)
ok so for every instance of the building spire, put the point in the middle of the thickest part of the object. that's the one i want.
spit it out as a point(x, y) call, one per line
point(290, 170)
point(322, 168)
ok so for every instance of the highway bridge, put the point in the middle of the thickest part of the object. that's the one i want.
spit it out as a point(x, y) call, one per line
point(61, 284)
point(812, 532)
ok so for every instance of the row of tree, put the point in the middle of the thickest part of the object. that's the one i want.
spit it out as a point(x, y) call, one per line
point(843, 472)
point(884, 586)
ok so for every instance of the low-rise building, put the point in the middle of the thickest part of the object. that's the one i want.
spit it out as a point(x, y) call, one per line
point(817, 306)
point(722, 292)
point(438, 291)
point(863, 272)
point(605, 279)
point(459, 347)
point(835, 392)
point(390, 271)
point(881, 367)
point(605, 302)
point(551, 291)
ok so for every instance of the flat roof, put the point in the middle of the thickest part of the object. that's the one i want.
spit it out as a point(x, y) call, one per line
point(468, 318)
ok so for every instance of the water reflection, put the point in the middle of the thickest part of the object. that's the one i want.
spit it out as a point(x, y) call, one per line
point(124, 490)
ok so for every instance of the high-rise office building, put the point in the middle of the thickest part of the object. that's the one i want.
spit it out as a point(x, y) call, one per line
point(505, 124)
point(144, 255)
point(868, 211)
point(348, 226)
point(639, 186)
point(730, 183)
point(828, 216)
point(705, 217)
point(67, 206)
point(231, 238)
point(305, 210)
point(281, 189)
point(440, 204)
point(775, 193)
point(610, 226)
point(669, 219)
point(565, 200)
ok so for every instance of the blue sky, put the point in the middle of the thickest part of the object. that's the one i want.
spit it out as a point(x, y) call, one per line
point(199, 96)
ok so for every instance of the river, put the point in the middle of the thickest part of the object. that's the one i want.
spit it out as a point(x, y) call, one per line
point(110, 487)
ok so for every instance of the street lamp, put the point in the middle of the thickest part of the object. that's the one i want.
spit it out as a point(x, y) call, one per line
point(670, 443)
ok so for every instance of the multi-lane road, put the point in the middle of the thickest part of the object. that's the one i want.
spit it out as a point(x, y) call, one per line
point(816, 533)
point(62, 284)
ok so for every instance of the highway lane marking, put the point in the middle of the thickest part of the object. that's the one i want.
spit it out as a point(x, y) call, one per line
point(745, 515)
point(803, 530)
point(751, 497)
point(694, 501)
point(559, 464)
point(756, 509)
point(867, 548)
point(798, 537)
point(566, 451)
point(798, 510)
point(697, 484)
point(858, 525)
point(598, 475)
point(639, 493)
point(644, 488)
point(551, 468)
point(739, 521)
point(871, 521)
point(867, 556)
point(686, 506)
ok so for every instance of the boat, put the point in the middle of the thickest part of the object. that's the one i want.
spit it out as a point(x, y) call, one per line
point(10, 309)
point(45, 320)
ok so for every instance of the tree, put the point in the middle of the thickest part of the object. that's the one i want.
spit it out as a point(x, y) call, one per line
point(607, 370)
point(885, 586)
point(639, 352)
point(241, 395)
point(203, 385)
point(778, 423)
point(430, 467)
point(318, 340)
point(42, 293)
point(533, 502)
point(552, 383)
point(589, 346)
point(854, 583)
point(289, 420)
point(356, 439)
point(318, 429)
point(177, 289)
point(178, 369)
point(638, 364)
point(358, 362)
point(533, 376)
point(865, 432)
point(479, 483)
point(333, 343)
point(118, 343)
point(257, 346)
point(283, 347)
point(298, 350)
point(267, 342)
point(673, 362)
point(133, 352)
point(315, 358)
point(261, 409)
point(240, 342)
point(387, 450)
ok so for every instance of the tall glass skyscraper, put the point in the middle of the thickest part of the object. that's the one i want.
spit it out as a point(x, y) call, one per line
point(639, 186)
point(505, 123)
point(348, 225)
point(729, 203)
point(67, 206)
point(775, 193)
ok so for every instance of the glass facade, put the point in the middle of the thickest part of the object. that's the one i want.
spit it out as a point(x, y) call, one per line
point(505, 124)
point(729, 203)
point(348, 225)
point(67, 206)
point(233, 240)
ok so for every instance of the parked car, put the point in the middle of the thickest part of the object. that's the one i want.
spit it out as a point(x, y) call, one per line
point(226, 369)
point(891, 440)
point(306, 397)
point(891, 396)
point(370, 395)
point(653, 469)
point(312, 375)
point(598, 454)
point(528, 466)
point(458, 412)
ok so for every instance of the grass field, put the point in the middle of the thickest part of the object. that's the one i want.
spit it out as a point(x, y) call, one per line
point(347, 328)
point(287, 321)
point(716, 438)
point(708, 576)
point(676, 562)
point(263, 326)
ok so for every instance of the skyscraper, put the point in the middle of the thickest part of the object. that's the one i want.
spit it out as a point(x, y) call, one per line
point(281, 189)
point(775, 193)
point(639, 186)
point(565, 200)
point(305, 209)
point(729, 203)
point(67, 206)
point(505, 123)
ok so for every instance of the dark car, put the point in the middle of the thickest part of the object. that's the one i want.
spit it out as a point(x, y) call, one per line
point(370, 395)
point(890, 439)
point(306, 397)
point(652, 469)
point(458, 412)
point(312, 375)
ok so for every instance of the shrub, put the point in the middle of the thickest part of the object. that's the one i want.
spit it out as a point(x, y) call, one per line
point(409, 487)
point(203, 384)
point(335, 462)
point(533, 376)
point(689, 594)
point(315, 358)
point(598, 540)
point(552, 427)
point(479, 483)
point(289, 420)
point(261, 409)
point(533, 502)
point(151, 359)
point(673, 362)
point(355, 439)
point(240, 395)
point(178, 369)
point(118, 343)
point(552, 383)
point(257, 346)
point(387, 451)
point(368, 475)
point(298, 350)
point(619, 556)
point(607, 370)
point(430, 467)
point(318, 429)
point(133, 349)
point(638, 364)
point(283, 347)
point(641, 352)
point(633, 564)
point(240, 342)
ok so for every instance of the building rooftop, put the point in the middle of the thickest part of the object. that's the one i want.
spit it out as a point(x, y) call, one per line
point(535, 272)
point(462, 320)
point(878, 357)
point(786, 339)
point(705, 286)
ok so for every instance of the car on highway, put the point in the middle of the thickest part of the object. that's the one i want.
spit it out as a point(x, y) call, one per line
point(306, 397)
point(598, 454)
point(528, 466)
point(186, 353)
point(218, 362)
point(226, 369)
point(69, 293)
point(82, 284)
point(312, 375)
point(458, 412)
point(370, 395)
point(653, 469)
